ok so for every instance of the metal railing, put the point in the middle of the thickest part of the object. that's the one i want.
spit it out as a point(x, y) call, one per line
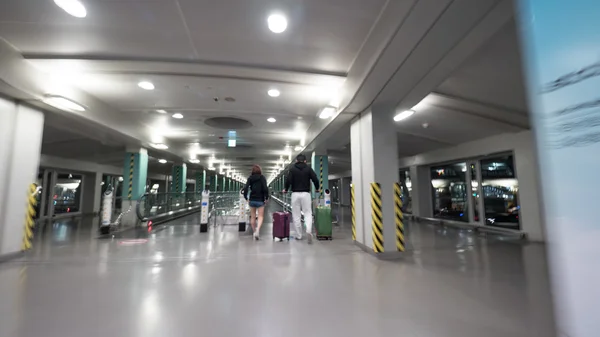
point(158, 206)
point(166, 206)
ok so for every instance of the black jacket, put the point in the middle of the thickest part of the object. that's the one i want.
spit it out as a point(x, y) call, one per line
point(257, 185)
point(299, 178)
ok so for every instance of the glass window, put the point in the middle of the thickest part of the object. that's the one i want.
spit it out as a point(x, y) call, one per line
point(406, 191)
point(500, 190)
point(449, 192)
point(67, 193)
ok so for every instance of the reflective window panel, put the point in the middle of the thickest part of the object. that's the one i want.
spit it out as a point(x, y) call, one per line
point(448, 183)
point(500, 190)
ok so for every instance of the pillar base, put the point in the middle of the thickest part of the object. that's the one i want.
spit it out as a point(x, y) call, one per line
point(381, 256)
point(129, 218)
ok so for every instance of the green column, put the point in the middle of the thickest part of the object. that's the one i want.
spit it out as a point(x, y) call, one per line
point(214, 182)
point(135, 170)
point(224, 188)
point(178, 176)
point(203, 180)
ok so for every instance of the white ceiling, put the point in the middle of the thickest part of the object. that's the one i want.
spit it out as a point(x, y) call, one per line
point(462, 55)
point(195, 51)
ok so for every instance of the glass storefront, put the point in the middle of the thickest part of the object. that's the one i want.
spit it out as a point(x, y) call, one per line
point(493, 191)
point(449, 191)
point(500, 190)
point(67, 193)
point(406, 191)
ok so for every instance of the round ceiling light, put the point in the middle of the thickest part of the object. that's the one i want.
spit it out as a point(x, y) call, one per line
point(177, 116)
point(274, 93)
point(162, 161)
point(161, 111)
point(146, 85)
point(277, 23)
point(271, 120)
point(72, 7)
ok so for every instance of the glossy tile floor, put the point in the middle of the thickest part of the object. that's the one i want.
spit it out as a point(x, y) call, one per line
point(178, 282)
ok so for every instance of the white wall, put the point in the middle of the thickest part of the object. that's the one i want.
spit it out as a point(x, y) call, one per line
point(526, 166)
point(20, 156)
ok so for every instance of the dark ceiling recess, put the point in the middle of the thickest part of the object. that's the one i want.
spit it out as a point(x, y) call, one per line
point(229, 123)
point(229, 99)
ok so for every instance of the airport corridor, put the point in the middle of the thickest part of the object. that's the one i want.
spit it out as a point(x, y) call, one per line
point(176, 281)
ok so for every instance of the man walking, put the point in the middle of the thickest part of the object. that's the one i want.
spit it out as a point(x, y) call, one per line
point(298, 179)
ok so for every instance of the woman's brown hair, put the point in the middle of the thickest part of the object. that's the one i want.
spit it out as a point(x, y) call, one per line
point(256, 169)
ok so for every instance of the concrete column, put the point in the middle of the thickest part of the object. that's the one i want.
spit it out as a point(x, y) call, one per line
point(320, 163)
point(421, 191)
point(561, 48)
point(179, 174)
point(21, 131)
point(92, 193)
point(374, 160)
point(345, 191)
point(135, 170)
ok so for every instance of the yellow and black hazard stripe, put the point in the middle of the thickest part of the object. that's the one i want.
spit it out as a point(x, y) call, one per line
point(29, 215)
point(399, 217)
point(131, 169)
point(376, 217)
point(352, 205)
point(321, 170)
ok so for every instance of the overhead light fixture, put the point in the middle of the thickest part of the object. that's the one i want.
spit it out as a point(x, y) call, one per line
point(404, 115)
point(273, 93)
point(159, 146)
point(231, 143)
point(298, 148)
point(161, 111)
point(277, 23)
point(72, 7)
point(146, 85)
point(327, 112)
point(162, 161)
point(271, 120)
point(177, 116)
point(194, 161)
point(63, 103)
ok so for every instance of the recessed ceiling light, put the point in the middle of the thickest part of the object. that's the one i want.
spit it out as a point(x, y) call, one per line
point(177, 116)
point(271, 120)
point(194, 161)
point(327, 112)
point(146, 85)
point(404, 115)
point(277, 23)
point(63, 103)
point(159, 146)
point(161, 111)
point(73, 7)
point(274, 93)
point(298, 148)
point(162, 161)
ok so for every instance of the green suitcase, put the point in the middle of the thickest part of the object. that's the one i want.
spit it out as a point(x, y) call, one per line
point(323, 224)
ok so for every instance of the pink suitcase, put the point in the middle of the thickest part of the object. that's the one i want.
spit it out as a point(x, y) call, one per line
point(281, 225)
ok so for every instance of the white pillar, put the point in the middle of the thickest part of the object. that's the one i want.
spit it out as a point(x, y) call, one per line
point(420, 177)
point(374, 159)
point(21, 131)
point(92, 186)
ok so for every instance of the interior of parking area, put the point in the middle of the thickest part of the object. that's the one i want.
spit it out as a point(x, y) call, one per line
point(444, 151)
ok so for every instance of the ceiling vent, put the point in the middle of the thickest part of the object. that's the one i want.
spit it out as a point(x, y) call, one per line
point(228, 123)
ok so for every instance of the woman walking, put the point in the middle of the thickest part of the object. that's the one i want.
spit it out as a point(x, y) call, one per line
point(257, 193)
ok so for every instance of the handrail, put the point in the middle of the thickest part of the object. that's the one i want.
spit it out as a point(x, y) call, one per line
point(153, 206)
